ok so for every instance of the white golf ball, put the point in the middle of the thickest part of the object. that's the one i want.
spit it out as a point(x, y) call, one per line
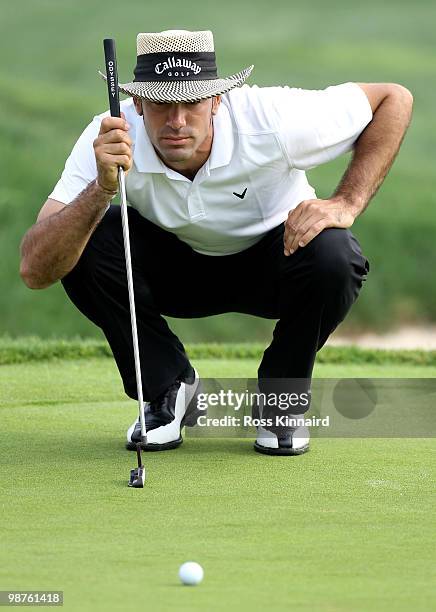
point(191, 573)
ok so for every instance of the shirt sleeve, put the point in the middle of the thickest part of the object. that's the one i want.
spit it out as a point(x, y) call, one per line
point(80, 167)
point(316, 126)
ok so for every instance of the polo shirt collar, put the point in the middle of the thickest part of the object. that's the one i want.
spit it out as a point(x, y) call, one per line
point(223, 140)
point(146, 159)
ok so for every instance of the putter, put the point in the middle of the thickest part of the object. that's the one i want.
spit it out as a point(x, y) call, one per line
point(137, 475)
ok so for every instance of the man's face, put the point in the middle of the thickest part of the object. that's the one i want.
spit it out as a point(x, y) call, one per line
point(179, 131)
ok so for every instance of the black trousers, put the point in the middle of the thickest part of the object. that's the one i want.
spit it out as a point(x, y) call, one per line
point(309, 292)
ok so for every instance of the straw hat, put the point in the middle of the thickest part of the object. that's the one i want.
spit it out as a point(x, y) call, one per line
point(178, 66)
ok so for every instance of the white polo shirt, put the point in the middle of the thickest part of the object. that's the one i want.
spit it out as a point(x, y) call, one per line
point(264, 140)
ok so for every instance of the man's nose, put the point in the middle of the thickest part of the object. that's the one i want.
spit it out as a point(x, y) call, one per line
point(176, 116)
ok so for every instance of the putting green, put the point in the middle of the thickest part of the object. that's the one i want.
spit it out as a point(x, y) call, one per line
point(345, 527)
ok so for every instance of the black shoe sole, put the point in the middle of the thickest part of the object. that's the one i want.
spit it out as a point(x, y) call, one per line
point(155, 447)
point(189, 420)
point(265, 450)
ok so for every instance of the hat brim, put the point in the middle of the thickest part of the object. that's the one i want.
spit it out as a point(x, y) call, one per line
point(183, 91)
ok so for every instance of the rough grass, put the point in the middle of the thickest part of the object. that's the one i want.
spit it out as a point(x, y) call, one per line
point(32, 348)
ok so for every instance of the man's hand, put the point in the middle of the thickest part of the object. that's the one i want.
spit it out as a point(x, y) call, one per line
point(112, 148)
point(310, 217)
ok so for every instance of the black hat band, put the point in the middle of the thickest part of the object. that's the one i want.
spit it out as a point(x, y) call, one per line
point(176, 67)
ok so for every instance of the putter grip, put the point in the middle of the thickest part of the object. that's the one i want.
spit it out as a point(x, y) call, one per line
point(112, 76)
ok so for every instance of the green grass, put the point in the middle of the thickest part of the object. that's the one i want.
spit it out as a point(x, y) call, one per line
point(50, 90)
point(349, 526)
point(33, 348)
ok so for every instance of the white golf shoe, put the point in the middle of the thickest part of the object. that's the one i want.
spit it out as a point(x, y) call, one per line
point(274, 438)
point(166, 416)
point(294, 442)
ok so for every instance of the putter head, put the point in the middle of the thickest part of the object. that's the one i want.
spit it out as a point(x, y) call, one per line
point(137, 478)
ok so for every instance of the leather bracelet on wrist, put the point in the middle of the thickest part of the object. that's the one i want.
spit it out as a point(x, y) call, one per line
point(107, 192)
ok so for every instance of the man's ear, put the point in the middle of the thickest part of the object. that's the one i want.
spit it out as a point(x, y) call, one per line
point(138, 105)
point(216, 100)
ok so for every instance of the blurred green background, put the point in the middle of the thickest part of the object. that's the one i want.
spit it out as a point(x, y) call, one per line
point(50, 90)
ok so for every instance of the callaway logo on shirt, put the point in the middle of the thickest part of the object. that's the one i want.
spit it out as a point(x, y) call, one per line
point(240, 195)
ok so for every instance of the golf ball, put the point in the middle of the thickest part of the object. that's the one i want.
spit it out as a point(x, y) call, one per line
point(191, 573)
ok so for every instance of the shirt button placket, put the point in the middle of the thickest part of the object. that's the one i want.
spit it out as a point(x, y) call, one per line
point(195, 203)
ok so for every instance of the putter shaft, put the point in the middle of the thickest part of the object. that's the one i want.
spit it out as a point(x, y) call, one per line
point(138, 454)
point(126, 237)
